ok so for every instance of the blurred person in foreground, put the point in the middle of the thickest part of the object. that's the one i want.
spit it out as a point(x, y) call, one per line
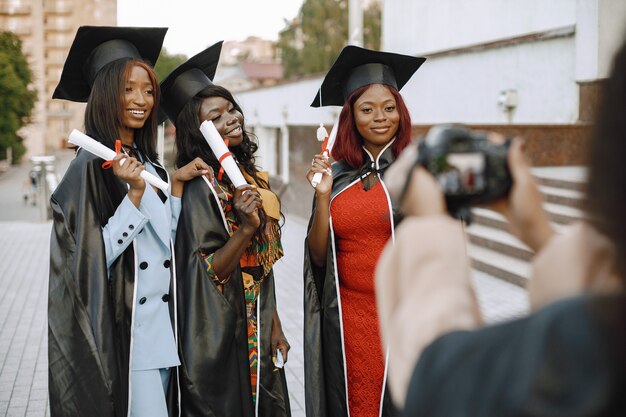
point(568, 357)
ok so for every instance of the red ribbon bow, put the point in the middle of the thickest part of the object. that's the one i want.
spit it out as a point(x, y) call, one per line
point(220, 174)
point(118, 148)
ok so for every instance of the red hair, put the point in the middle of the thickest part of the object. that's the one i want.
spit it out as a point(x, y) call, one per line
point(349, 144)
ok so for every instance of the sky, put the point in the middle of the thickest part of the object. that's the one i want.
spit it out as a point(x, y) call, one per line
point(196, 24)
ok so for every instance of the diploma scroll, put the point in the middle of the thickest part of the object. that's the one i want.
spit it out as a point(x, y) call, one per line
point(317, 178)
point(221, 152)
point(93, 146)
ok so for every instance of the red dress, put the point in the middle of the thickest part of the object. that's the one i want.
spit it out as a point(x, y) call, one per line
point(362, 227)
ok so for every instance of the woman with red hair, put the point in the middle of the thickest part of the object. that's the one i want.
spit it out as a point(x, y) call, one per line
point(352, 219)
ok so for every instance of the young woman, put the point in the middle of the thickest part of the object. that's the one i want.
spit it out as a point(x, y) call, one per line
point(228, 241)
point(112, 345)
point(352, 220)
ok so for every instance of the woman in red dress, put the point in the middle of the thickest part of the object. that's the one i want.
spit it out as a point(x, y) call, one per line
point(352, 219)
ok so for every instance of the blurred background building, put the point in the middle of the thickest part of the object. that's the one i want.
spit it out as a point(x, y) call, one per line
point(248, 64)
point(520, 67)
point(47, 29)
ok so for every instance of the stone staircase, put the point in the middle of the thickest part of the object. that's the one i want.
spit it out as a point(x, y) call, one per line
point(495, 251)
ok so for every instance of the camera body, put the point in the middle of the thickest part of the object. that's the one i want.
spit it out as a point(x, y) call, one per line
point(469, 168)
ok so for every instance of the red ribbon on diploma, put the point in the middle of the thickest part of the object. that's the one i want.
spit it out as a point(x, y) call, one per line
point(118, 148)
point(220, 174)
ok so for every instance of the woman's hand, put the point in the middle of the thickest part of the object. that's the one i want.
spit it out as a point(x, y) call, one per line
point(247, 203)
point(278, 341)
point(193, 169)
point(321, 163)
point(523, 208)
point(130, 172)
point(318, 234)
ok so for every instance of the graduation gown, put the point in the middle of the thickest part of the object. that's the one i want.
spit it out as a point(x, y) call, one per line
point(89, 314)
point(325, 379)
point(215, 369)
point(568, 359)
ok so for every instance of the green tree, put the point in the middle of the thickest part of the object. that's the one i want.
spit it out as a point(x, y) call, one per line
point(372, 29)
point(17, 97)
point(311, 42)
point(167, 63)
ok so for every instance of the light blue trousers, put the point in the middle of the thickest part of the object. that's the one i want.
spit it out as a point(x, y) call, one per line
point(148, 392)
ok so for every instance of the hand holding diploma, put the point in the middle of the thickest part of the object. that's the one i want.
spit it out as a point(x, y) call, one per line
point(93, 146)
point(327, 144)
point(221, 152)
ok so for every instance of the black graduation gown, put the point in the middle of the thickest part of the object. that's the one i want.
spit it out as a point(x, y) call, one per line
point(89, 316)
point(324, 366)
point(568, 359)
point(215, 370)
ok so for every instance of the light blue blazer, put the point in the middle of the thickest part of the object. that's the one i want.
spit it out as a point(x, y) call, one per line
point(151, 228)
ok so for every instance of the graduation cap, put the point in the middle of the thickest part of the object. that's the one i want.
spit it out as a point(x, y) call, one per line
point(96, 46)
point(191, 77)
point(356, 67)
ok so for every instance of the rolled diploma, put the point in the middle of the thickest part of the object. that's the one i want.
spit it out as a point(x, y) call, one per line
point(317, 177)
point(219, 148)
point(91, 145)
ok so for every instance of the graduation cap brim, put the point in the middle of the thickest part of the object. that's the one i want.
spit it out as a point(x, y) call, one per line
point(107, 44)
point(356, 67)
point(191, 77)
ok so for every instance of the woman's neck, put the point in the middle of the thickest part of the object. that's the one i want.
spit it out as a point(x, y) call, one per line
point(127, 136)
point(374, 149)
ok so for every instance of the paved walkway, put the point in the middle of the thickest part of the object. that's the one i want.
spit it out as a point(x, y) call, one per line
point(24, 256)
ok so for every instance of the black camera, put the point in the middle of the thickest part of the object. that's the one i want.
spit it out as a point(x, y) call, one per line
point(469, 168)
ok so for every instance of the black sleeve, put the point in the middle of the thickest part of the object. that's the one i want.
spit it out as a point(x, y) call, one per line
point(556, 362)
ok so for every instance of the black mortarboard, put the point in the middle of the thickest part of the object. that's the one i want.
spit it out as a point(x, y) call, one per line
point(191, 77)
point(96, 46)
point(356, 67)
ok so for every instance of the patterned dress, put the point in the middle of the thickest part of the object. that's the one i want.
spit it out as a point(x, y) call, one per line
point(255, 263)
point(362, 227)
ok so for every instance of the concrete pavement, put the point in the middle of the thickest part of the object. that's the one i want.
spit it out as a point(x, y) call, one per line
point(24, 258)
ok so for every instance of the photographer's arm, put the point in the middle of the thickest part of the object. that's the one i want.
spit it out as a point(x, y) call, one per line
point(423, 282)
point(423, 196)
point(523, 208)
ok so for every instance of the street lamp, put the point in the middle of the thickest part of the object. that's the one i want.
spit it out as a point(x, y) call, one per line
point(44, 172)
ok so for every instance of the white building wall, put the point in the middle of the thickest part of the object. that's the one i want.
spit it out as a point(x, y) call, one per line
point(599, 30)
point(424, 26)
point(465, 87)
point(452, 88)
point(268, 109)
point(461, 84)
point(266, 154)
point(270, 106)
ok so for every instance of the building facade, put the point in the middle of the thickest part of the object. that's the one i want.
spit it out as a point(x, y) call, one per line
point(521, 67)
point(248, 64)
point(47, 29)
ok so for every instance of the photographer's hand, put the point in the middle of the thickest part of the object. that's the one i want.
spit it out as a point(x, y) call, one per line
point(523, 207)
point(423, 197)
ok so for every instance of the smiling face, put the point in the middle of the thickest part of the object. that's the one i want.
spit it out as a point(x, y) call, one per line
point(376, 117)
point(138, 99)
point(227, 120)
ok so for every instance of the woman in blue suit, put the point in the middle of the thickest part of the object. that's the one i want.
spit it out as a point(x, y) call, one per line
point(112, 322)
